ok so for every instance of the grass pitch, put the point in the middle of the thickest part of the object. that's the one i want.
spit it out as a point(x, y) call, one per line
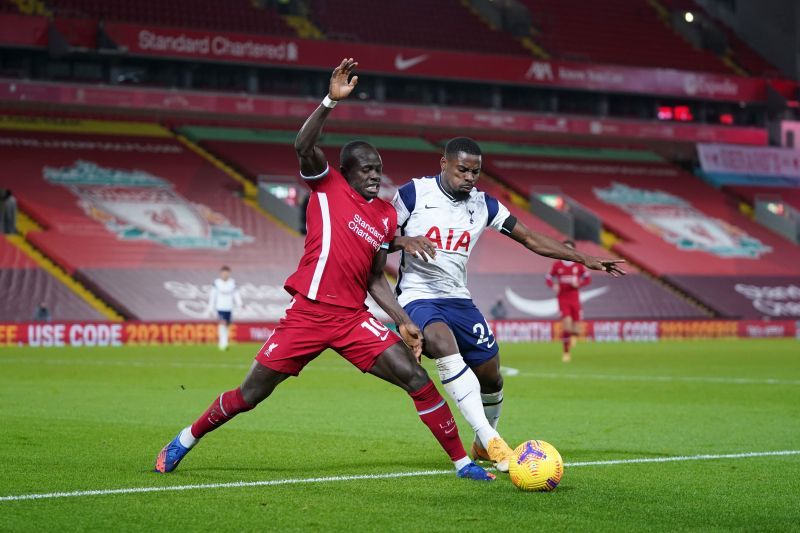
point(84, 419)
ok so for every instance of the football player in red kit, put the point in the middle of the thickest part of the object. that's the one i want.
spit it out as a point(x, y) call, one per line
point(566, 278)
point(349, 231)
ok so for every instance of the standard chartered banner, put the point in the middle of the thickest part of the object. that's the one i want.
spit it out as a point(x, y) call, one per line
point(104, 334)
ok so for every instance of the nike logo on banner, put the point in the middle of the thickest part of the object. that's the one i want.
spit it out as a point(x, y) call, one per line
point(404, 64)
point(548, 306)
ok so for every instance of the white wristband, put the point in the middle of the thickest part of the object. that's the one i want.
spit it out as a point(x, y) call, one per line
point(327, 102)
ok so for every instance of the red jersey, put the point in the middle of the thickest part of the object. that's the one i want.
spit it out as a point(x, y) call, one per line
point(569, 276)
point(345, 231)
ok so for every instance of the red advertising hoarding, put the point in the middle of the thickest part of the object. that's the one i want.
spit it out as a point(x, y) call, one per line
point(92, 334)
point(220, 46)
point(271, 107)
point(273, 50)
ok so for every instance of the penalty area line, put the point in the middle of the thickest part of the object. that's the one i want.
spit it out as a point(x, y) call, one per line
point(389, 475)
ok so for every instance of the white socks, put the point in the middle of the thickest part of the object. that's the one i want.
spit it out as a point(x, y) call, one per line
point(222, 333)
point(492, 405)
point(186, 438)
point(461, 463)
point(462, 385)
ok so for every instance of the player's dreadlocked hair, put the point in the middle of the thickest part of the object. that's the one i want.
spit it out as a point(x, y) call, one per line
point(346, 155)
point(461, 144)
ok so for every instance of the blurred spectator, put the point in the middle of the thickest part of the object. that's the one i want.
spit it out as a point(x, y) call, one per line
point(42, 313)
point(498, 310)
point(9, 212)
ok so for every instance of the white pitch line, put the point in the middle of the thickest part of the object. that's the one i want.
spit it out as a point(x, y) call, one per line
point(390, 475)
point(665, 379)
point(672, 459)
point(508, 371)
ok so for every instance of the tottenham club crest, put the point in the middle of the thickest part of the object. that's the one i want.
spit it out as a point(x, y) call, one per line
point(136, 205)
point(679, 223)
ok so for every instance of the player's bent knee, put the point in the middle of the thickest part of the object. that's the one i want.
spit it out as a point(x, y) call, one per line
point(417, 379)
point(259, 383)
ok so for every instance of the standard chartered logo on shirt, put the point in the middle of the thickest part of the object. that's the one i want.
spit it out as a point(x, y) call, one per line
point(366, 231)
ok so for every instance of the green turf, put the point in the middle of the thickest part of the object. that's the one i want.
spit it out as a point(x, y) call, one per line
point(96, 418)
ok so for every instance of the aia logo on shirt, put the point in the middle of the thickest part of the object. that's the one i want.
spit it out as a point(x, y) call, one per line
point(450, 243)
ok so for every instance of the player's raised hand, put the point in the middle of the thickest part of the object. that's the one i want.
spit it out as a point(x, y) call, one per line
point(412, 336)
point(420, 247)
point(341, 84)
point(607, 265)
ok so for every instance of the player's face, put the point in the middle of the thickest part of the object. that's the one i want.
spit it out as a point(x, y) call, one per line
point(224, 274)
point(364, 172)
point(461, 173)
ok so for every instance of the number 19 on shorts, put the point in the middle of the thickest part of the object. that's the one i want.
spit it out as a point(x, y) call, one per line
point(376, 328)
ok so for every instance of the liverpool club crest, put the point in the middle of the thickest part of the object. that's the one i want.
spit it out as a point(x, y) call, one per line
point(680, 223)
point(137, 205)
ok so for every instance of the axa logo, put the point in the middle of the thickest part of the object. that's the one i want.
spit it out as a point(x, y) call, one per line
point(450, 243)
point(540, 71)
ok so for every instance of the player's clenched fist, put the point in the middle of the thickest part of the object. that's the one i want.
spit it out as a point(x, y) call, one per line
point(412, 336)
point(341, 84)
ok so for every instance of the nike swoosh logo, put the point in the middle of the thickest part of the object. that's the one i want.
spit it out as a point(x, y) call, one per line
point(384, 336)
point(452, 429)
point(467, 394)
point(401, 63)
point(431, 206)
point(549, 306)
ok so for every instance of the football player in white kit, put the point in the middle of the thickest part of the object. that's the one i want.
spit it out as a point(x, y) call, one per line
point(223, 298)
point(441, 218)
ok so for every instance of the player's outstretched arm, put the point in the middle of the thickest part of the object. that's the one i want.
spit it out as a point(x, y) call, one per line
point(383, 295)
point(549, 247)
point(312, 159)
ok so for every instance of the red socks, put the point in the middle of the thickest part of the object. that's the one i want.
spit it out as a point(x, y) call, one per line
point(430, 405)
point(435, 414)
point(226, 406)
point(567, 341)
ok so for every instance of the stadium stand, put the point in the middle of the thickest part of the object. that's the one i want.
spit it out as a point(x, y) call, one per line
point(626, 32)
point(26, 285)
point(739, 51)
point(499, 267)
point(237, 15)
point(748, 194)
point(445, 24)
point(145, 222)
point(669, 222)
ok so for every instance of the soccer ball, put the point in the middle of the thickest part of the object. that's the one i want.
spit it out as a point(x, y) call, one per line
point(536, 466)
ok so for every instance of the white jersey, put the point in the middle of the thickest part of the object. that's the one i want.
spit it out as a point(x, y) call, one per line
point(224, 295)
point(425, 208)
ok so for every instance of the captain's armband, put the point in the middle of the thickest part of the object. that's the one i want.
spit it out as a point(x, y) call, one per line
point(508, 225)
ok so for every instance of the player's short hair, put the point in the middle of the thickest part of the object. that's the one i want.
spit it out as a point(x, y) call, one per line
point(225, 267)
point(568, 242)
point(461, 144)
point(346, 156)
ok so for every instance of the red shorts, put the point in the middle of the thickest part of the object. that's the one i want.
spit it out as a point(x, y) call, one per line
point(310, 327)
point(570, 307)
